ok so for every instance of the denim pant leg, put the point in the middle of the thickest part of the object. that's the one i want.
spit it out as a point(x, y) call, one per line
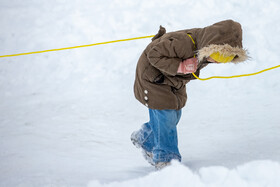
point(164, 126)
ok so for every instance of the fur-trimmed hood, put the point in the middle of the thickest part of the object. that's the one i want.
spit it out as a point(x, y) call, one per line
point(227, 50)
point(224, 37)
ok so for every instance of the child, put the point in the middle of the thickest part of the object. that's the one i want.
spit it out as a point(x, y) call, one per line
point(163, 70)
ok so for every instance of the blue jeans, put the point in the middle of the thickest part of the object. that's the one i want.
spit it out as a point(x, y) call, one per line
point(159, 135)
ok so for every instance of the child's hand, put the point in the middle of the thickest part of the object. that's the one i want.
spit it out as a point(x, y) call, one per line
point(188, 66)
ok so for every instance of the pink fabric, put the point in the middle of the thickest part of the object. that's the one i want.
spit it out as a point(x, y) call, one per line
point(188, 66)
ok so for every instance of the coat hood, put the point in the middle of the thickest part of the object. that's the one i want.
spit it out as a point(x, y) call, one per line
point(224, 37)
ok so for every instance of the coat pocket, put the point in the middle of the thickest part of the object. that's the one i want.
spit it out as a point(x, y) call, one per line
point(174, 82)
point(153, 75)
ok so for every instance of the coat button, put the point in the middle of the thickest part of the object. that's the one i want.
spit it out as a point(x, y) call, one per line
point(146, 105)
point(146, 98)
point(146, 91)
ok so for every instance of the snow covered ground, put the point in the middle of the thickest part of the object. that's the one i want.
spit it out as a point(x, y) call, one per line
point(66, 117)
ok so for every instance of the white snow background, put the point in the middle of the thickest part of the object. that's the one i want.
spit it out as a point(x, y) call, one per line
point(66, 117)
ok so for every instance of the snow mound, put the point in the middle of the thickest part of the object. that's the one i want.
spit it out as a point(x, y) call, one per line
point(253, 174)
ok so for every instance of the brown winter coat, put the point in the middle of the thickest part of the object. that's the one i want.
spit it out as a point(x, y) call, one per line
point(157, 83)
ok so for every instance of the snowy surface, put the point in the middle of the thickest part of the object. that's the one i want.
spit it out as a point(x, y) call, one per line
point(253, 174)
point(66, 117)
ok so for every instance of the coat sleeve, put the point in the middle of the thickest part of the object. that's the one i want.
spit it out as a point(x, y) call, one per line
point(168, 53)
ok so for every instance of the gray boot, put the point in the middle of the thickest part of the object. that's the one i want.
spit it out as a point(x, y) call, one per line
point(147, 155)
point(161, 165)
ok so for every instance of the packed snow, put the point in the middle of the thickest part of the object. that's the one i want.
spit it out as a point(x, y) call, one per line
point(253, 174)
point(66, 117)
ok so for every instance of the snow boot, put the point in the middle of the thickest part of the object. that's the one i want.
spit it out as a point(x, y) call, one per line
point(161, 165)
point(147, 155)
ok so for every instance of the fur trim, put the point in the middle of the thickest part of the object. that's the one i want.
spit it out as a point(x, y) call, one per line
point(226, 50)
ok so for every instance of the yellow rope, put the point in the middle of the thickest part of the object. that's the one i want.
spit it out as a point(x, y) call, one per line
point(192, 40)
point(235, 76)
point(80, 46)
point(128, 39)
